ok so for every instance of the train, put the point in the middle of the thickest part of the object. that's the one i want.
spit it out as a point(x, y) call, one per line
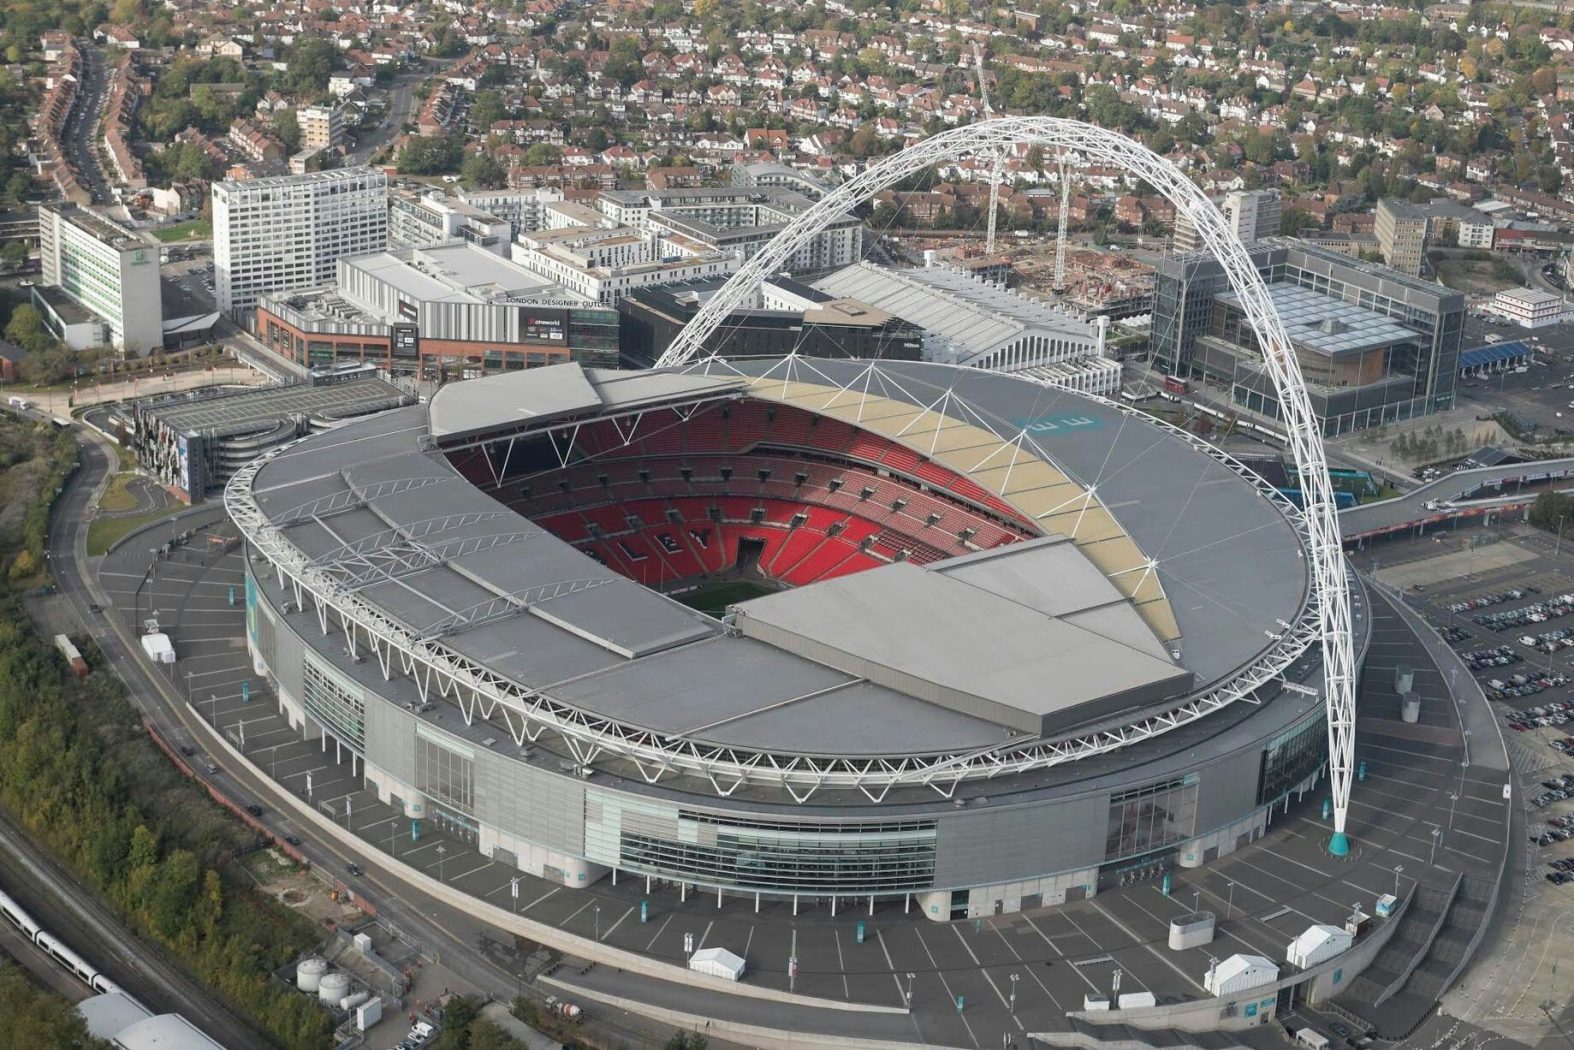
point(57, 949)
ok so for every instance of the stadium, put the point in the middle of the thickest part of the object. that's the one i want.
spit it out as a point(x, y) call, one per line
point(811, 630)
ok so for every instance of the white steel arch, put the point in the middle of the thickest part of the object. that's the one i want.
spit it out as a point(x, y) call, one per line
point(1095, 144)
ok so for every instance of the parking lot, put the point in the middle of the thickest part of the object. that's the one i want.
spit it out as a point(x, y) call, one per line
point(1540, 395)
point(1504, 600)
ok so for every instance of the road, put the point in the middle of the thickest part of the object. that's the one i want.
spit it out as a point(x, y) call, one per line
point(79, 137)
point(444, 932)
point(400, 99)
point(147, 972)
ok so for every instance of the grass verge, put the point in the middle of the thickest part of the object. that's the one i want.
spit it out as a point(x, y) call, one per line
point(103, 532)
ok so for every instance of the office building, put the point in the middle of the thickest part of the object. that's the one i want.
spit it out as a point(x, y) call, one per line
point(99, 284)
point(1250, 214)
point(289, 231)
point(452, 311)
point(604, 264)
point(1530, 307)
point(322, 127)
point(1401, 235)
point(1253, 214)
point(816, 324)
point(1375, 345)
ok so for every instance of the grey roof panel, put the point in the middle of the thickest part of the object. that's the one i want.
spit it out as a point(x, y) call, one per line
point(961, 646)
point(511, 398)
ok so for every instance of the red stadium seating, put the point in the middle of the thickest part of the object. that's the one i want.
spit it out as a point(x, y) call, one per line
point(829, 487)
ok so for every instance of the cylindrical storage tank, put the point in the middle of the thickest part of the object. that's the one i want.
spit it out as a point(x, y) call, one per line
point(350, 1002)
point(1404, 679)
point(308, 975)
point(1410, 708)
point(333, 987)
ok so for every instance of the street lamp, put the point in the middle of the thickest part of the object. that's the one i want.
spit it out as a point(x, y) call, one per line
point(910, 991)
point(1014, 993)
point(1432, 858)
point(1398, 870)
point(1453, 797)
point(597, 910)
point(440, 851)
point(1229, 901)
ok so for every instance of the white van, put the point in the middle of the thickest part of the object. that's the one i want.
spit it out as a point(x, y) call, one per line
point(1312, 1038)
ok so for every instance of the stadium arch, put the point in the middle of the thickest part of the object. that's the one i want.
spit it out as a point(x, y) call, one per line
point(1070, 139)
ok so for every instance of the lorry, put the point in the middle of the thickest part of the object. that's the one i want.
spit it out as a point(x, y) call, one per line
point(1312, 1039)
point(72, 655)
point(565, 1010)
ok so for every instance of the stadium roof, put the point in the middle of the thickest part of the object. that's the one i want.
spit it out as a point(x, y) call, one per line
point(1044, 672)
point(233, 411)
point(558, 391)
point(972, 316)
point(384, 514)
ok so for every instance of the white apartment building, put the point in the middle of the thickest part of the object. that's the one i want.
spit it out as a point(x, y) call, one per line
point(523, 210)
point(434, 218)
point(322, 127)
point(287, 232)
point(1530, 307)
point(734, 221)
point(604, 265)
point(99, 283)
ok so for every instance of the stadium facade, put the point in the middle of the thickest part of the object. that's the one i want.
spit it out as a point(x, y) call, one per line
point(1008, 655)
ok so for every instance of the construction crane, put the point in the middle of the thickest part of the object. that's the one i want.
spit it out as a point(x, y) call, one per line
point(1065, 220)
point(996, 158)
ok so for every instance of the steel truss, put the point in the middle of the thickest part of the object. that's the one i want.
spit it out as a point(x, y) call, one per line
point(440, 671)
point(1097, 145)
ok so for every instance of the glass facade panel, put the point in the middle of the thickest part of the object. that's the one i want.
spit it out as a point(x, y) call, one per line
point(769, 856)
point(1291, 757)
point(335, 704)
point(445, 772)
point(1144, 819)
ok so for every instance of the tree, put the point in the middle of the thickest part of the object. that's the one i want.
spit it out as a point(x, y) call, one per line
point(430, 155)
point(481, 171)
point(14, 254)
point(1551, 511)
point(623, 63)
point(683, 1040)
point(35, 1018)
point(288, 127)
point(26, 329)
point(487, 109)
point(310, 64)
point(542, 154)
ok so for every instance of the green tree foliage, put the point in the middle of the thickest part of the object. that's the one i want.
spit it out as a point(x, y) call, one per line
point(487, 109)
point(1551, 511)
point(34, 1018)
point(623, 63)
point(481, 171)
point(74, 765)
point(26, 329)
point(543, 153)
point(682, 1040)
point(311, 62)
point(465, 1029)
point(288, 127)
point(430, 155)
point(14, 254)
